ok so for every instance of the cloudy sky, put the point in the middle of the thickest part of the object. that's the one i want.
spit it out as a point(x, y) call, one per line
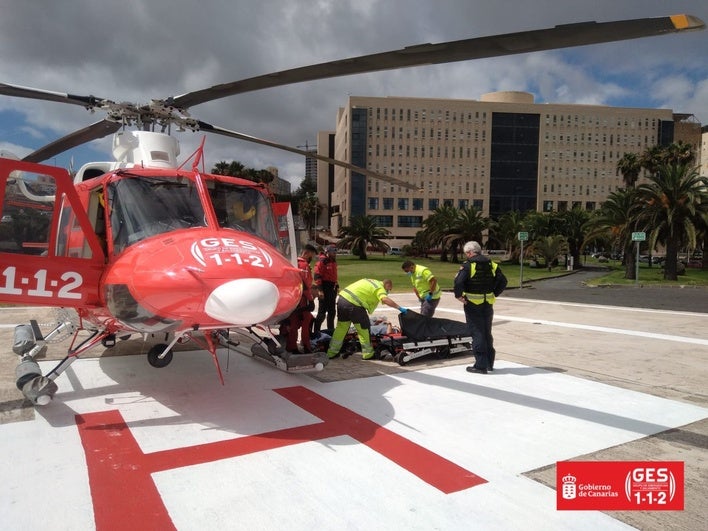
point(137, 50)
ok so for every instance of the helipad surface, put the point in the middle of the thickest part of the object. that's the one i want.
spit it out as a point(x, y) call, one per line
point(125, 446)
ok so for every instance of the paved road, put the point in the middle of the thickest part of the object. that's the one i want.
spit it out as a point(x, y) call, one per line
point(572, 288)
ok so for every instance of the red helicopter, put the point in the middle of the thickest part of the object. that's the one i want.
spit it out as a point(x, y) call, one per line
point(144, 245)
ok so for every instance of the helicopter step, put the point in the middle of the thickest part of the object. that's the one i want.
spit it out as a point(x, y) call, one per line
point(268, 349)
point(289, 362)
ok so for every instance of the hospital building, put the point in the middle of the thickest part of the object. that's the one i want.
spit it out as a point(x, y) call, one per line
point(500, 153)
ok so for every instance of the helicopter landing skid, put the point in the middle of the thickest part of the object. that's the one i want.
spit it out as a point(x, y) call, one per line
point(30, 344)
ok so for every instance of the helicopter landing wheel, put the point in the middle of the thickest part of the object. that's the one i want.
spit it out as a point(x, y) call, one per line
point(153, 356)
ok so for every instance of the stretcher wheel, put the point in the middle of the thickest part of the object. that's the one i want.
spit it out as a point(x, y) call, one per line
point(350, 348)
point(442, 352)
point(384, 353)
point(401, 358)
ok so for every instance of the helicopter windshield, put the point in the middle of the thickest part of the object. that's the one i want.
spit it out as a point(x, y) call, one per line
point(141, 207)
point(243, 208)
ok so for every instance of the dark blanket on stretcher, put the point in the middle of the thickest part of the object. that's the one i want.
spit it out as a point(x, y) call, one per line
point(420, 328)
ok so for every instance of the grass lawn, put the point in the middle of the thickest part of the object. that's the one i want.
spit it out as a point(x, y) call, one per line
point(381, 267)
point(350, 269)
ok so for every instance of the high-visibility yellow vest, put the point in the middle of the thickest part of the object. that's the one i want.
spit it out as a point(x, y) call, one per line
point(483, 287)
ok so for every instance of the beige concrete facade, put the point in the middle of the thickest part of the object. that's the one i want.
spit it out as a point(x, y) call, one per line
point(704, 152)
point(480, 153)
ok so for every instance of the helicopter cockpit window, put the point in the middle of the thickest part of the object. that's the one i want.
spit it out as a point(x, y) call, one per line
point(243, 208)
point(142, 207)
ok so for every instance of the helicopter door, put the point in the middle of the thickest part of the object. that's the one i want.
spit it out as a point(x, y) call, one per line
point(286, 230)
point(49, 252)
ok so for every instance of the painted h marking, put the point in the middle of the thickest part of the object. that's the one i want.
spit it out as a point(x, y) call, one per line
point(120, 474)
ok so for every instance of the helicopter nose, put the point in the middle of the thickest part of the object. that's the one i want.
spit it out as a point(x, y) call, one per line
point(243, 302)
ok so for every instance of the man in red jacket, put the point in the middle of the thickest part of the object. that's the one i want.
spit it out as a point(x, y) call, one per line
point(326, 284)
point(300, 320)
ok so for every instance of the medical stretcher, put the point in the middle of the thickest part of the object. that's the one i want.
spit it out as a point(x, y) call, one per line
point(422, 336)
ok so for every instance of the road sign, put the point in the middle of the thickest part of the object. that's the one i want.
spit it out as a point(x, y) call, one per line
point(639, 236)
point(523, 236)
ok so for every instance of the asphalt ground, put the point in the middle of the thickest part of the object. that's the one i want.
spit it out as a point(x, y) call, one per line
point(573, 288)
point(645, 359)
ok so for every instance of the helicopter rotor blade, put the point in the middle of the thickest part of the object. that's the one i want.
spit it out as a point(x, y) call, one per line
point(92, 132)
point(563, 36)
point(203, 126)
point(36, 94)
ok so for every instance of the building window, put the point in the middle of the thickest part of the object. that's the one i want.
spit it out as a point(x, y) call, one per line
point(417, 203)
point(410, 221)
point(384, 221)
point(433, 204)
point(448, 202)
point(463, 203)
point(402, 203)
point(373, 203)
point(548, 206)
point(478, 204)
point(388, 203)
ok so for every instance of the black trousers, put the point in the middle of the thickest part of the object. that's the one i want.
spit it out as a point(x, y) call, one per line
point(479, 321)
point(327, 307)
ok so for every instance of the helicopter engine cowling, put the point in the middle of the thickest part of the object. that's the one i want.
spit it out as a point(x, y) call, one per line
point(201, 279)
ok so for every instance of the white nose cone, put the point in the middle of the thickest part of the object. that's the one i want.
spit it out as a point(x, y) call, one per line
point(243, 302)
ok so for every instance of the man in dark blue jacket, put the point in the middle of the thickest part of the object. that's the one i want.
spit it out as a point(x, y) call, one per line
point(477, 284)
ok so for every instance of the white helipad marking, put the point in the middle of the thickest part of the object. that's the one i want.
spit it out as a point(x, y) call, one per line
point(593, 328)
point(605, 307)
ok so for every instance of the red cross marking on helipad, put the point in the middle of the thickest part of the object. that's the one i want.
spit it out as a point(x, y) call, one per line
point(120, 473)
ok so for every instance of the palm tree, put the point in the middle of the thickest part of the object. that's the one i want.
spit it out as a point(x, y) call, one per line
point(680, 153)
point(421, 244)
point(630, 166)
point(675, 153)
point(233, 168)
point(438, 225)
point(653, 158)
point(468, 225)
point(362, 232)
point(539, 224)
point(550, 247)
point(506, 231)
point(672, 201)
point(615, 220)
point(571, 224)
point(309, 209)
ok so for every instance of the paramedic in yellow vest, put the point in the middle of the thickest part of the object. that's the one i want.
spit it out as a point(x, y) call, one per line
point(425, 286)
point(354, 305)
point(477, 284)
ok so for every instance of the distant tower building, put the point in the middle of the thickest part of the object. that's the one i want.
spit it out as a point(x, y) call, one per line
point(311, 167)
point(310, 163)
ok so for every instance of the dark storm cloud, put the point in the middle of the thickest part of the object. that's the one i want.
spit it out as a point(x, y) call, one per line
point(137, 50)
